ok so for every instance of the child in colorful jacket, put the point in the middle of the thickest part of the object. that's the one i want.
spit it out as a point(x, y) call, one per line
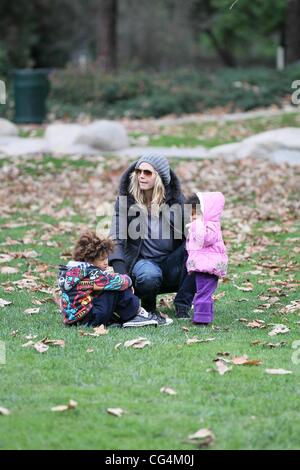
point(206, 251)
point(90, 294)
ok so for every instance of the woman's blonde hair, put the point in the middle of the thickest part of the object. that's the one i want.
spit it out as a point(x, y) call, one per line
point(158, 196)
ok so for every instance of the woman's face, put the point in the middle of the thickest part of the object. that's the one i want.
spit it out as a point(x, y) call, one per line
point(146, 176)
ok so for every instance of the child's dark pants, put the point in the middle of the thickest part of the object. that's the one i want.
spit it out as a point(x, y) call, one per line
point(124, 303)
point(206, 285)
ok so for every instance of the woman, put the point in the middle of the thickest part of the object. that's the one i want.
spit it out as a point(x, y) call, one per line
point(148, 229)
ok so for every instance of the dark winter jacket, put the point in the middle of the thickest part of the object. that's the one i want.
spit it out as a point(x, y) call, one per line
point(128, 248)
point(78, 281)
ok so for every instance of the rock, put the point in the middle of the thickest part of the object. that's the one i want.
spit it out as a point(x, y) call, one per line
point(59, 137)
point(7, 128)
point(105, 135)
point(15, 146)
point(277, 145)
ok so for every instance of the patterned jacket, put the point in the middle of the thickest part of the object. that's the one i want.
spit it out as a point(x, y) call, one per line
point(78, 281)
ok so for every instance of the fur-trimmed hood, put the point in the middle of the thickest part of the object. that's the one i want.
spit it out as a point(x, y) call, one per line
point(174, 194)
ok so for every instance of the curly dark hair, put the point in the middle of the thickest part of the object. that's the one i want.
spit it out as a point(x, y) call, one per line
point(193, 200)
point(90, 246)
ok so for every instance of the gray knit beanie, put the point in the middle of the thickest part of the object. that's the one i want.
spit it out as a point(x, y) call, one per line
point(159, 163)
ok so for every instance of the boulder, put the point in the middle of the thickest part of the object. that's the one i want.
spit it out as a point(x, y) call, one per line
point(7, 128)
point(60, 137)
point(105, 135)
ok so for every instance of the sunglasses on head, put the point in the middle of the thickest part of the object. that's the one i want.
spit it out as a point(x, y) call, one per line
point(139, 171)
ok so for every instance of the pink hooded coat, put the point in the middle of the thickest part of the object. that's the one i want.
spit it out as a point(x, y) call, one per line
point(205, 246)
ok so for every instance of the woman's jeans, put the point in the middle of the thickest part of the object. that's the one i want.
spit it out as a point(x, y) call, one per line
point(152, 277)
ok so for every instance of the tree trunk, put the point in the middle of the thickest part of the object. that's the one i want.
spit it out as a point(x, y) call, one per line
point(107, 56)
point(292, 31)
point(224, 53)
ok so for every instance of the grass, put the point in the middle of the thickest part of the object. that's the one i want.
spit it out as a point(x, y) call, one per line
point(215, 133)
point(246, 408)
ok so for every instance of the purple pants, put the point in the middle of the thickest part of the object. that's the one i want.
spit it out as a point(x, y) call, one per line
point(206, 285)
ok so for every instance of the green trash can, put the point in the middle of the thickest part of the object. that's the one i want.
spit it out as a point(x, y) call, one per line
point(31, 87)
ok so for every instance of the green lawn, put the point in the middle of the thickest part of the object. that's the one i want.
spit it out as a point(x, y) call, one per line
point(45, 202)
point(211, 134)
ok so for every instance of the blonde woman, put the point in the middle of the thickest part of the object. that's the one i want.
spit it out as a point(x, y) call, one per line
point(148, 229)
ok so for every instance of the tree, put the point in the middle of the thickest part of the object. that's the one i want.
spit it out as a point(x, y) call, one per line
point(292, 31)
point(107, 56)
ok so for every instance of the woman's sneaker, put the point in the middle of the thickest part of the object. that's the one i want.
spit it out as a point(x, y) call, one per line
point(161, 319)
point(141, 319)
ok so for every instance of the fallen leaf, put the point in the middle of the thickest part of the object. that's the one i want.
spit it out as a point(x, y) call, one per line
point(4, 411)
point(244, 361)
point(203, 437)
point(279, 330)
point(257, 324)
point(225, 353)
point(4, 303)
point(28, 344)
point(8, 270)
point(31, 337)
point(31, 311)
point(115, 412)
point(53, 342)
point(118, 345)
point(278, 371)
point(194, 339)
point(41, 347)
point(222, 368)
point(168, 391)
point(138, 343)
point(90, 350)
point(14, 333)
point(70, 406)
point(4, 258)
point(276, 345)
point(100, 330)
point(185, 329)
point(248, 287)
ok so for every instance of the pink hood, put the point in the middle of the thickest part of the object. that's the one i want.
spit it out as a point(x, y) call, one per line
point(205, 246)
point(212, 205)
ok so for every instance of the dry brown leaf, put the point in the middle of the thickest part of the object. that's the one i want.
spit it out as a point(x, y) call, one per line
point(14, 333)
point(247, 287)
point(194, 339)
point(138, 343)
point(278, 371)
point(168, 391)
point(244, 361)
point(100, 330)
point(40, 347)
point(185, 329)
point(118, 345)
point(4, 303)
point(219, 295)
point(70, 406)
point(203, 437)
point(28, 344)
point(118, 412)
point(4, 258)
point(31, 311)
point(257, 324)
point(222, 368)
point(8, 270)
point(279, 330)
point(4, 411)
point(90, 350)
point(53, 342)
point(223, 353)
point(276, 345)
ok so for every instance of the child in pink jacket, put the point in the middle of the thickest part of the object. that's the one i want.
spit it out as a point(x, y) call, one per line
point(206, 251)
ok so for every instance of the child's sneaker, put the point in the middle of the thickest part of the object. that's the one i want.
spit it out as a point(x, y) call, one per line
point(161, 319)
point(182, 313)
point(140, 320)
